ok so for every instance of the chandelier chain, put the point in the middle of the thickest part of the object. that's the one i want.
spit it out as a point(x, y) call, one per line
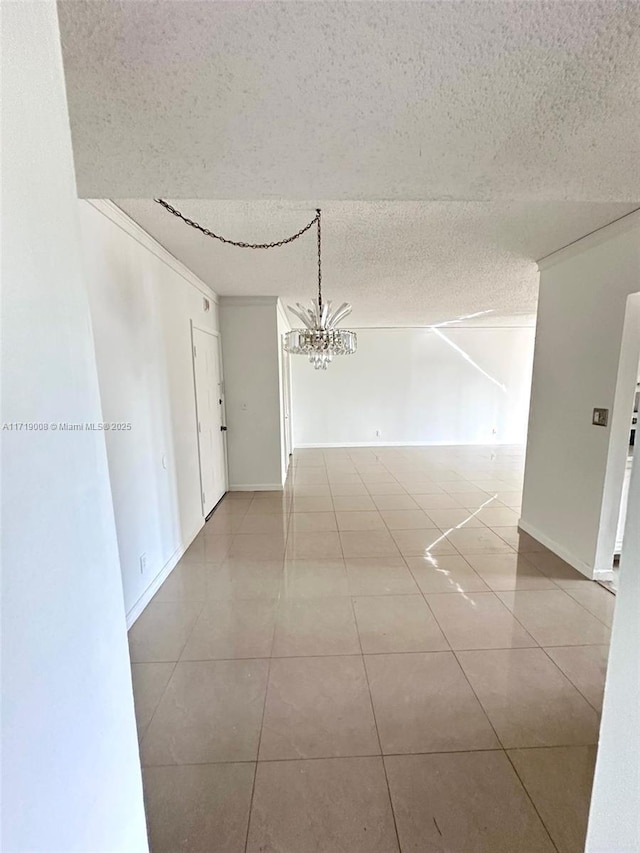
point(320, 340)
point(238, 243)
point(319, 262)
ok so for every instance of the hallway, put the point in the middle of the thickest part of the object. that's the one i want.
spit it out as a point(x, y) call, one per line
point(374, 660)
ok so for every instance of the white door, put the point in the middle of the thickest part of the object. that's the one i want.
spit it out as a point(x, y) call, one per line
point(209, 409)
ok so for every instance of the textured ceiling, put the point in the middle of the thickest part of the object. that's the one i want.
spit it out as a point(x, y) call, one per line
point(398, 263)
point(465, 100)
point(495, 133)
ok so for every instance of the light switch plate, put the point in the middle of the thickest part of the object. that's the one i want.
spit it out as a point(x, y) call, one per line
point(600, 417)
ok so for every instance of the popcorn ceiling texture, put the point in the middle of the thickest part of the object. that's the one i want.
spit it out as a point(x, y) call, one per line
point(398, 263)
point(468, 100)
point(450, 144)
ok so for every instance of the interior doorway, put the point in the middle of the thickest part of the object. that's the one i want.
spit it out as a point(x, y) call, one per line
point(208, 384)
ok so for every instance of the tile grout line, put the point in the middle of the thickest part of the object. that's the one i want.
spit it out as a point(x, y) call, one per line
point(368, 654)
point(175, 664)
point(512, 648)
point(255, 763)
point(454, 652)
point(142, 735)
point(506, 753)
point(375, 720)
point(575, 686)
point(515, 592)
point(535, 808)
point(580, 604)
point(375, 755)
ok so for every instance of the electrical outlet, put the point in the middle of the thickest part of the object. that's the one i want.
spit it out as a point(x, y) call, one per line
point(143, 563)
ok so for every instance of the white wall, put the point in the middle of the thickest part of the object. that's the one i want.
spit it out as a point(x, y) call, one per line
point(418, 386)
point(252, 391)
point(70, 770)
point(581, 316)
point(142, 304)
point(614, 818)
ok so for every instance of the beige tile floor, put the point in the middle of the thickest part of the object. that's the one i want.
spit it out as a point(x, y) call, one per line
point(374, 660)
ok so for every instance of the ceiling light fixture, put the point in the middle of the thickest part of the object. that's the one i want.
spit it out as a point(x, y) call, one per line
point(320, 340)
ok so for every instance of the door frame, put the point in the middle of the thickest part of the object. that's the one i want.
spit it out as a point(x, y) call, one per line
point(287, 403)
point(215, 334)
point(618, 439)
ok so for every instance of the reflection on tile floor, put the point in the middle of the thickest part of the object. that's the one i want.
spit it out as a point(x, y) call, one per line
point(375, 660)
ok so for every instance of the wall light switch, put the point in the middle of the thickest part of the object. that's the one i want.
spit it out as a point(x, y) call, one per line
point(600, 417)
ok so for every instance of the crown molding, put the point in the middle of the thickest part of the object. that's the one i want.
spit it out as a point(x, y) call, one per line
point(248, 300)
point(589, 241)
point(129, 226)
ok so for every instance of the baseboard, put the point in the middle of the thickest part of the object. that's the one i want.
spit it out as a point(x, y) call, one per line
point(557, 549)
point(407, 444)
point(160, 578)
point(259, 487)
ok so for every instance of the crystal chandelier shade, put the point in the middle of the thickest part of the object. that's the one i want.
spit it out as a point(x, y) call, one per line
point(320, 340)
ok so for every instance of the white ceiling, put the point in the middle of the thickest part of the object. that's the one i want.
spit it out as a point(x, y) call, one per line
point(398, 263)
point(450, 144)
point(459, 99)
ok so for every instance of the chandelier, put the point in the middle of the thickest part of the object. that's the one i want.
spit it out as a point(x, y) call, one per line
point(320, 339)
